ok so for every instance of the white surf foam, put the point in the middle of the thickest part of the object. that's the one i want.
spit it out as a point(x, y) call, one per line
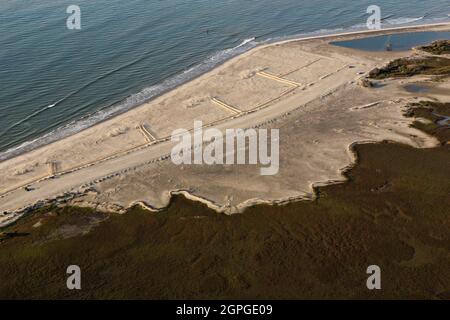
point(132, 101)
point(402, 20)
point(152, 92)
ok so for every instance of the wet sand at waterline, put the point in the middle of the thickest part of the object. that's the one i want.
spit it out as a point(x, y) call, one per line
point(312, 95)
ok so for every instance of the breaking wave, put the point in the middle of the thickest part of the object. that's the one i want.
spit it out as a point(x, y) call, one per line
point(154, 91)
point(129, 103)
point(397, 21)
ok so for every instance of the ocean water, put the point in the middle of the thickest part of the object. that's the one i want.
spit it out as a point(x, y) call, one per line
point(55, 81)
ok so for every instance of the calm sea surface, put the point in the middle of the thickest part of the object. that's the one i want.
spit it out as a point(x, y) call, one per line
point(55, 81)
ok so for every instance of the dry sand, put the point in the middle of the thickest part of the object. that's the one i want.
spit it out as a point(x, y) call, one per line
point(316, 103)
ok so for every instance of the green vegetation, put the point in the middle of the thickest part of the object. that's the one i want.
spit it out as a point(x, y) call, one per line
point(392, 212)
point(411, 66)
point(432, 111)
point(437, 47)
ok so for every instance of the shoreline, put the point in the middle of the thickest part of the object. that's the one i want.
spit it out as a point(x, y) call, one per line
point(63, 199)
point(13, 152)
point(387, 212)
point(300, 195)
point(66, 198)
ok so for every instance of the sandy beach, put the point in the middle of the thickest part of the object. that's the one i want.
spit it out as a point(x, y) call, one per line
point(306, 88)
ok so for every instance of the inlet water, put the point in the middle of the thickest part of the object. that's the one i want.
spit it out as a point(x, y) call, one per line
point(55, 82)
point(397, 42)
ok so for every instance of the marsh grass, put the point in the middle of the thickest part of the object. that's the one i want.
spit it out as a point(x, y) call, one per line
point(438, 47)
point(411, 66)
point(393, 212)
